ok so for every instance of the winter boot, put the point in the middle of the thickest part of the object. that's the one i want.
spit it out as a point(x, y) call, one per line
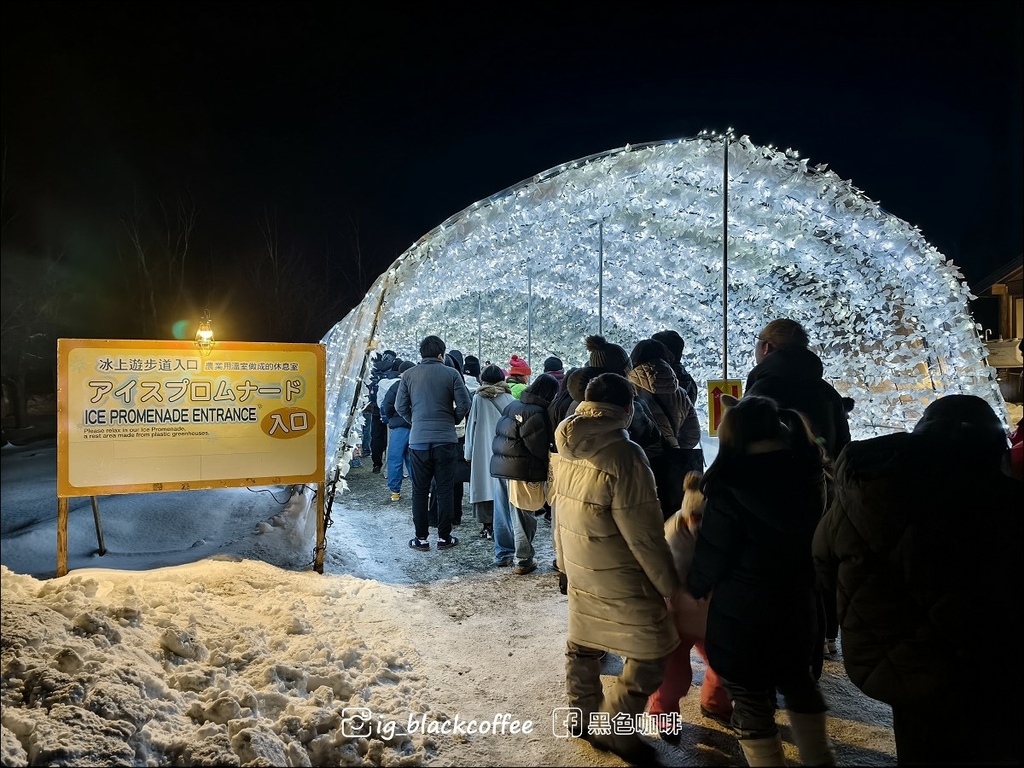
point(763, 752)
point(811, 738)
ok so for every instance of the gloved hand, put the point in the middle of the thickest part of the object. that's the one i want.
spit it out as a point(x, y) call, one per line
point(563, 583)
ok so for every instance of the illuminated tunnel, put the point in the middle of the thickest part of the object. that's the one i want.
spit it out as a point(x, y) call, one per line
point(643, 238)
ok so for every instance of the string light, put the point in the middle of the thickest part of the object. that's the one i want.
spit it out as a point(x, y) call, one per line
point(887, 313)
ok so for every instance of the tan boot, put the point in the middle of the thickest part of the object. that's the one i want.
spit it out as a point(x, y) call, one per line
point(811, 738)
point(763, 752)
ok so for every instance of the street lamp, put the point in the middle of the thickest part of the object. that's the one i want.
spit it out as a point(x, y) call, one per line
point(204, 335)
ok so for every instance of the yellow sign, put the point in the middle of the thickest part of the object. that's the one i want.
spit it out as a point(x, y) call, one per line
point(717, 388)
point(136, 416)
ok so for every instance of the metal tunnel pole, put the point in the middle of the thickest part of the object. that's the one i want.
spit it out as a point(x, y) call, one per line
point(529, 317)
point(600, 277)
point(725, 259)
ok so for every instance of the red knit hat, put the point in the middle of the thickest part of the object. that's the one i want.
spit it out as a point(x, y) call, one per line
point(518, 367)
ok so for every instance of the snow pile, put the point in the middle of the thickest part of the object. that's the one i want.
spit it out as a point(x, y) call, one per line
point(215, 663)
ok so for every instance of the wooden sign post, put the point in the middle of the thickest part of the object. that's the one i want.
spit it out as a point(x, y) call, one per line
point(145, 416)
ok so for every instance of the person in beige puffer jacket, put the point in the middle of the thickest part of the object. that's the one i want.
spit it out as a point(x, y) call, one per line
point(610, 542)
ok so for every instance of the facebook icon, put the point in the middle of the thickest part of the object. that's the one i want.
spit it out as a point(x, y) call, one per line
point(566, 722)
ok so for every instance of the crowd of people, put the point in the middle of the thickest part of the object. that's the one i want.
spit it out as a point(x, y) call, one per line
point(794, 543)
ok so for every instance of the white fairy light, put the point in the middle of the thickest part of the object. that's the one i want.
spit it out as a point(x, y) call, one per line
point(885, 310)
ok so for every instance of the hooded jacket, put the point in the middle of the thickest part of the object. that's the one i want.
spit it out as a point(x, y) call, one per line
point(657, 386)
point(754, 555)
point(924, 535)
point(793, 378)
point(610, 537)
point(642, 429)
point(384, 363)
point(488, 403)
point(381, 369)
point(387, 410)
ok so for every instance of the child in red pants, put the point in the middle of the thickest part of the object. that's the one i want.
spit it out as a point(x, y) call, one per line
point(714, 703)
point(681, 531)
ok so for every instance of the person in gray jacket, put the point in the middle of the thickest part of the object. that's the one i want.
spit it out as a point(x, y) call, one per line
point(433, 398)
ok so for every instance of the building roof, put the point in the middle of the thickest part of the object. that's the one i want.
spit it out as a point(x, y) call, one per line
point(1010, 274)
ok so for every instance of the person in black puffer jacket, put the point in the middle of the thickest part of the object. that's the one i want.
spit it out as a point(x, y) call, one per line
point(521, 448)
point(765, 494)
point(643, 430)
point(791, 375)
point(385, 366)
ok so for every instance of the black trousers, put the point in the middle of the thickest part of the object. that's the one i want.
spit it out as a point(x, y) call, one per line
point(458, 491)
point(460, 476)
point(378, 439)
point(436, 464)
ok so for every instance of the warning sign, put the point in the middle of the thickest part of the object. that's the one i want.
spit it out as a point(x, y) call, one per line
point(717, 388)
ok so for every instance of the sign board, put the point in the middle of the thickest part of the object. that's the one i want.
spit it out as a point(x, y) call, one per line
point(140, 416)
point(717, 388)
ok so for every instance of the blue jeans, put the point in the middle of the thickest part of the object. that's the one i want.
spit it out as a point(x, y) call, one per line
point(504, 535)
point(398, 454)
point(438, 464)
point(524, 528)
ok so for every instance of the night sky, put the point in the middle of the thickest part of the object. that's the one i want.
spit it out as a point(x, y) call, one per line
point(341, 119)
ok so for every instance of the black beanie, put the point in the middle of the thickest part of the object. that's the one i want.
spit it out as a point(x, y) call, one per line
point(472, 366)
point(405, 366)
point(552, 364)
point(610, 358)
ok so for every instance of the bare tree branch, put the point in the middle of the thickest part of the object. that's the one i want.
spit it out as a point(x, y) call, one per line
point(157, 274)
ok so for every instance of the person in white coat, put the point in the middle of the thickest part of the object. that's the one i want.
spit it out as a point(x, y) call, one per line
point(489, 400)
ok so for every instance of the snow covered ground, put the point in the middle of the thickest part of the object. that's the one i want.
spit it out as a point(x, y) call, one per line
point(204, 637)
